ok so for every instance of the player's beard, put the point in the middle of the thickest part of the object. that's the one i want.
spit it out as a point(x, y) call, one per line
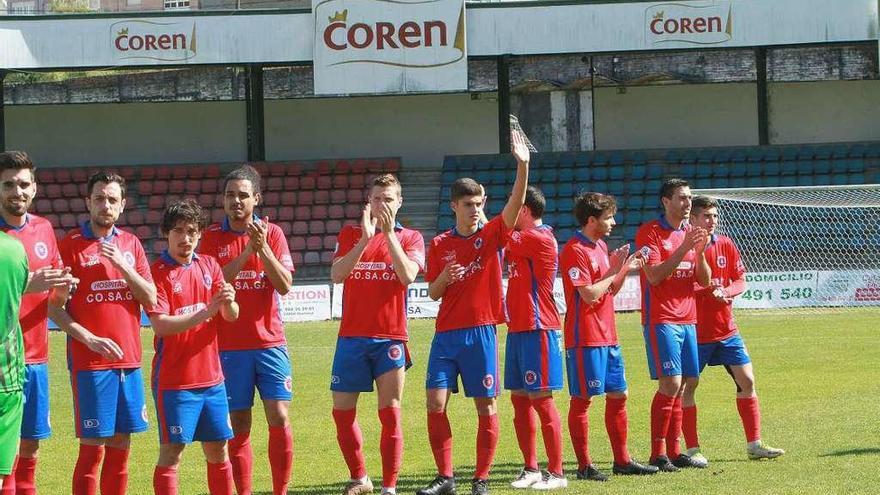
point(16, 210)
point(104, 221)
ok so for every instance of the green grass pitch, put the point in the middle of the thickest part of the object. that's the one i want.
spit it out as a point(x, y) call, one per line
point(816, 376)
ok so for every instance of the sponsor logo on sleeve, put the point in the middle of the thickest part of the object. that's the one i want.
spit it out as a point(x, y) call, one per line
point(574, 273)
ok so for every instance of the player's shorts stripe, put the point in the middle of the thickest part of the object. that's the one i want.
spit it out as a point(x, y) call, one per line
point(545, 359)
point(655, 349)
point(76, 414)
point(582, 379)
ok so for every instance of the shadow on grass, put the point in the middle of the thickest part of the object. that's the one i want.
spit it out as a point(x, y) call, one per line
point(852, 452)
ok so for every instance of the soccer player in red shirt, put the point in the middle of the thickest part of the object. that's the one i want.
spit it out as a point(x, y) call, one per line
point(533, 361)
point(17, 189)
point(375, 261)
point(464, 269)
point(253, 350)
point(718, 337)
point(102, 320)
point(676, 260)
point(187, 379)
point(590, 278)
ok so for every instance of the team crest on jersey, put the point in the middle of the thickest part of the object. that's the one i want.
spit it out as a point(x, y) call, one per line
point(516, 236)
point(394, 352)
point(488, 381)
point(530, 377)
point(574, 273)
point(41, 250)
point(129, 258)
point(478, 242)
point(722, 261)
point(208, 281)
point(288, 384)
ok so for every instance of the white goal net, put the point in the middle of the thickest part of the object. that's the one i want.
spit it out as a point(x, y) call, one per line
point(805, 246)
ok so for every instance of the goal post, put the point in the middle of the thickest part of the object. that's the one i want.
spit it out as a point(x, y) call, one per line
point(806, 247)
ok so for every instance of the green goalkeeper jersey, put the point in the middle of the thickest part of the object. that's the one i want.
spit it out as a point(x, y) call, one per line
point(13, 280)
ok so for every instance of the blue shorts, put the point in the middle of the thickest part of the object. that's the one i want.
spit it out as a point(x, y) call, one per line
point(35, 424)
point(595, 370)
point(730, 351)
point(266, 369)
point(358, 361)
point(672, 350)
point(198, 414)
point(469, 352)
point(533, 361)
point(107, 402)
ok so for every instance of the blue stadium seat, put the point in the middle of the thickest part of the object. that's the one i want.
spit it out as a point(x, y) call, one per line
point(564, 234)
point(549, 218)
point(450, 162)
point(565, 175)
point(872, 151)
point(688, 156)
point(720, 182)
point(805, 180)
point(467, 163)
point(838, 166)
point(652, 187)
point(549, 175)
point(839, 151)
point(855, 165)
point(706, 155)
point(600, 158)
point(722, 155)
point(755, 155)
point(617, 158)
point(635, 201)
point(567, 159)
point(483, 163)
point(616, 172)
point(497, 192)
point(789, 180)
point(839, 179)
point(699, 182)
point(721, 170)
point(806, 167)
point(857, 151)
point(637, 171)
point(498, 176)
point(448, 177)
point(789, 167)
point(687, 170)
point(581, 174)
point(445, 223)
point(772, 181)
point(790, 153)
point(822, 179)
point(504, 162)
point(806, 152)
point(615, 188)
point(738, 182)
point(565, 190)
point(755, 181)
point(754, 169)
point(599, 173)
point(634, 188)
point(738, 155)
point(704, 170)
point(772, 154)
point(672, 156)
point(738, 169)
point(655, 171)
point(772, 169)
point(823, 152)
point(822, 167)
point(856, 178)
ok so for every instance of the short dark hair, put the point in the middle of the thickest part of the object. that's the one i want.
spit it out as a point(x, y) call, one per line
point(535, 201)
point(187, 210)
point(244, 172)
point(700, 203)
point(387, 180)
point(465, 187)
point(592, 204)
point(107, 177)
point(670, 185)
point(16, 160)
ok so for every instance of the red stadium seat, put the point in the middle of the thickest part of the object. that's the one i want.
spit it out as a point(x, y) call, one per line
point(319, 212)
point(284, 226)
point(326, 257)
point(350, 221)
point(297, 243)
point(391, 165)
point(156, 202)
point(303, 213)
point(145, 187)
point(148, 172)
point(322, 197)
point(312, 258)
point(163, 172)
point(288, 198)
point(217, 215)
point(160, 187)
point(152, 217)
point(336, 211)
point(143, 232)
point(207, 200)
point(45, 176)
point(77, 205)
point(300, 228)
point(60, 205)
point(306, 197)
point(210, 185)
point(277, 169)
point(52, 218)
point(135, 217)
point(333, 226)
point(316, 227)
point(82, 217)
point(330, 242)
point(307, 183)
point(359, 166)
point(128, 173)
point(297, 258)
point(323, 167)
point(341, 167)
point(43, 206)
point(212, 172)
point(294, 168)
point(176, 187)
point(338, 197)
point(59, 234)
point(355, 196)
point(271, 212)
point(159, 245)
point(353, 211)
point(62, 175)
point(70, 190)
point(274, 184)
point(286, 213)
point(291, 183)
point(67, 220)
point(53, 191)
point(314, 243)
point(193, 186)
point(324, 182)
point(196, 172)
point(83, 189)
point(271, 198)
point(340, 182)
point(357, 181)
point(179, 172)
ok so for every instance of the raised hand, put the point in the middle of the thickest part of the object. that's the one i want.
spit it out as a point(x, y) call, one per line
point(112, 253)
point(519, 148)
point(617, 258)
point(106, 348)
point(258, 231)
point(368, 224)
point(454, 272)
point(634, 262)
point(51, 278)
point(226, 295)
point(696, 238)
point(387, 218)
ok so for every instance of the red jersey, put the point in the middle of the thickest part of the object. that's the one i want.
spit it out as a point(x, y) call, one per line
point(373, 299)
point(715, 318)
point(478, 299)
point(531, 266)
point(189, 359)
point(584, 263)
point(672, 300)
point(102, 302)
point(38, 239)
point(259, 324)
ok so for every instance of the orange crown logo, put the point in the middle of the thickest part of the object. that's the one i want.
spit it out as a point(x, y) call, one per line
point(339, 17)
point(122, 32)
point(659, 15)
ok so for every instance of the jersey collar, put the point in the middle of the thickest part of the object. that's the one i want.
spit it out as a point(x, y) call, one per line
point(226, 227)
point(583, 239)
point(665, 224)
point(3, 224)
point(173, 262)
point(455, 232)
point(88, 233)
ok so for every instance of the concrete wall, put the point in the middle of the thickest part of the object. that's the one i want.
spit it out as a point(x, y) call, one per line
point(124, 134)
point(420, 129)
point(824, 112)
point(676, 116)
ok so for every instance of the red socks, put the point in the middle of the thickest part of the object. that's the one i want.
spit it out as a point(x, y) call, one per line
point(673, 446)
point(114, 472)
point(525, 428)
point(750, 415)
point(689, 426)
point(551, 430)
point(348, 435)
point(85, 474)
point(165, 480)
point(487, 440)
point(8, 487)
point(219, 478)
point(280, 457)
point(579, 429)
point(440, 437)
point(390, 445)
point(616, 424)
point(25, 476)
point(241, 457)
point(661, 414)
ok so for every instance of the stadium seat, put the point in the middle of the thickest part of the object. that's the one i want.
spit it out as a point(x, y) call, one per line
point(159, 245)
point(333, 226)
point(297, 242)
point(287, 198)
point(59, 234)
point(176, 187)
point(299, 228)
point(67, 220)
point(324, 182)
point(330, 242)
point(210, 185)
point(322, 197)
point(340, 181)
point(306, 197)
point(297, 258)
point(355, 196)
point(179, 172)
point(277, 169)
point(316, 227)
point(336, 211)
point(314, 243)
point(293, 168)
point(143, 232)
point(134, 217)
point(290, 183)
point(70, 190)
point(307, 182)
point(269, 211)
point(160, 187)
point(78, 175)
point(326, 257)
point(286, 213)
point(338, 197)
point(353, 211)
point(271, 198)
point(303, 212)
point(274, 184)
point(60, 205)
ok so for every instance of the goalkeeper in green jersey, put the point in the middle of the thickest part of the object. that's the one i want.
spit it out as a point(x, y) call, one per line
point(13, 280)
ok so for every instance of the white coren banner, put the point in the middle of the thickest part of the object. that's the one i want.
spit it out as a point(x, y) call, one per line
point(306, 303)
point(385, 46)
